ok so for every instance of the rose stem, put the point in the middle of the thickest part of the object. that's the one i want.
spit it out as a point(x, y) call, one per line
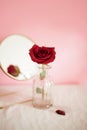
point(43, 83)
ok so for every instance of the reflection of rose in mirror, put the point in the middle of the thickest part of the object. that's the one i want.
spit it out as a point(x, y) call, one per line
point(13, 70)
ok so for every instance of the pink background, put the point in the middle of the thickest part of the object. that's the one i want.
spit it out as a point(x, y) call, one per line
point(58, 23)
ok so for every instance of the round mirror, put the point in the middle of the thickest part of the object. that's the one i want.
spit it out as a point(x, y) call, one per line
point(14, 57)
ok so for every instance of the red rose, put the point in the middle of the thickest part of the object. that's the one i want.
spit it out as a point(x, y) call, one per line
point(42, 55)
point(13, 70)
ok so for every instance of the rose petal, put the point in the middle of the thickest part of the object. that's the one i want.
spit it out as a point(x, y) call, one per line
point(61, 112)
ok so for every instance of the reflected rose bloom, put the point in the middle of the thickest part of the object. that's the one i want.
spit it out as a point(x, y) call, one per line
point(13, 70)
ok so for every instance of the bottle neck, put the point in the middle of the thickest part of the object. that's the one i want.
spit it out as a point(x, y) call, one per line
point(44, 71)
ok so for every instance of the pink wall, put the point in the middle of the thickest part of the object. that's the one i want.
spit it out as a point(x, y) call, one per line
point(59, 23)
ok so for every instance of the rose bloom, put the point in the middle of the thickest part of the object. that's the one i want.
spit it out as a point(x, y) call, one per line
point(13, 70)
point(42, 55)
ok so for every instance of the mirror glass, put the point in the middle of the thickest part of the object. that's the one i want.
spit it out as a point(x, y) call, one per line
point(14, 57)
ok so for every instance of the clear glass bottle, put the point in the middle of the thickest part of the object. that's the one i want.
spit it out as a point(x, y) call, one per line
point(42, 84)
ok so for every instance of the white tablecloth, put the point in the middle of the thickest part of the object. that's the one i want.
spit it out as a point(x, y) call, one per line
point(70, 98)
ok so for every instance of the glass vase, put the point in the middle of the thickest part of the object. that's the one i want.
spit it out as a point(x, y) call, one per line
point(42, 84)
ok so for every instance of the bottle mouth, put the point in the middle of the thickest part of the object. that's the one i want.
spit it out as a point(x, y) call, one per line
point(44, 66)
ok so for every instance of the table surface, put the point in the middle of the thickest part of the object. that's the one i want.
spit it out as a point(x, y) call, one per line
point(21, 115)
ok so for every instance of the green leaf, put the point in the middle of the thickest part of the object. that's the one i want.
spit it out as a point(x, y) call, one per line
point(38, 90)
point(42, 74)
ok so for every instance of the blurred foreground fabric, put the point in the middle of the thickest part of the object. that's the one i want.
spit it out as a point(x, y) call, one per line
point(23, 116)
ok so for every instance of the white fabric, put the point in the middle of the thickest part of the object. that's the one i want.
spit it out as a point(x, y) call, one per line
point(70, 98)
